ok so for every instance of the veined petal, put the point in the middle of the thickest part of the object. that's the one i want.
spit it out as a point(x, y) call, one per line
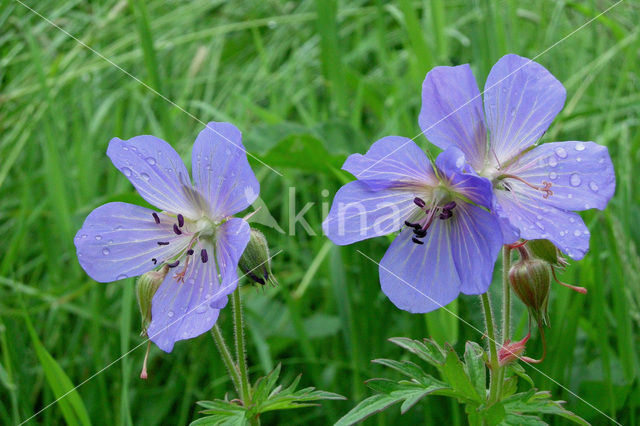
point(581, 174)
point(221, 171)
point(510, 234)
point(537, 219)
point(185, 309)
point(157, 172)
point(358, 213)
point(476, 242)
point(521, 99)
point(451, 113)
point(392, 161)
point(421, 278)
point(453, 165)
point(120, 240)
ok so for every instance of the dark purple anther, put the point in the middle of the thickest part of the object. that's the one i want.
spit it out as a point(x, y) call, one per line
point(189, 252)
point(174, 264)
point(180, 220)
point(450, 205)
point(419, 202)
point(412, 225)
point(446, 214)
point(417, 241)
point(204, 256)
point(163, 243)
point(176, 229)
point(155, 217)
point(420, 233)
point(154, 260)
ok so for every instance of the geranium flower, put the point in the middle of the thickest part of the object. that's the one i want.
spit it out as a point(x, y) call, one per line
point(193, 234)
point(449, 242)
point(536, 188)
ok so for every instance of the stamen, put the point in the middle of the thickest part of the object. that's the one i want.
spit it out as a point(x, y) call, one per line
point(417, 241)
point(204, 256)
point(174, 264)
point(546, 188)
point(412, 225)
point(176, 229)
point(180, 220)
point(155, 217)
point(189, 252)
point(163, 243)
point(419, 202)
point(154, 260)
point(450, 205)
point(446, 214)
point(420, 233)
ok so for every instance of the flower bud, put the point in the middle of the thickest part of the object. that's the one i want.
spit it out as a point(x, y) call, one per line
point(510, 352)
point(530, 280)
point(547, 251)
point(146, 287)
point(255, 261)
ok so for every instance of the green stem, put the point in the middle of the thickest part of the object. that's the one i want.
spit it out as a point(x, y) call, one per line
point(494, 367)
point(506, 294)
point(241, 355)
point(226, 357)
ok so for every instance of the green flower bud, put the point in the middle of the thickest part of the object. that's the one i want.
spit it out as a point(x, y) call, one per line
point(255, 261)
point(547, 251)
point(146, 287)
point(531, 282)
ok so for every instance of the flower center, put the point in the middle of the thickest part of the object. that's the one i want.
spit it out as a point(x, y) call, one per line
point(435, 211)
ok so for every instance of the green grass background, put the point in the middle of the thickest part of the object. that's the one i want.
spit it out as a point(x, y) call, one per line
point(307, 82)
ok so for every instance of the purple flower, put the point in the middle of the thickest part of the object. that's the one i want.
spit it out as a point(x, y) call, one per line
point(193, 234)
point(449, 241)
point(536, 188)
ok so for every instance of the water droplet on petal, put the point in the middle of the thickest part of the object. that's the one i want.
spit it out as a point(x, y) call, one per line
point(84, 236)
point(563, 233)
point(98, 237)
point(580, 146)
point(600, 161)
point(145, 176)
point(105, 251)
point(561, 152)
point(127, 171)
point(540, 225)
point(201, 309)
point(575, 180)
point(553, 175)
point(570, 196)
point(553, 161)
point(571, 220)
point(170, 314)
point(593, 186)
point(587, 206)
point(577, 233)
point(151, 161)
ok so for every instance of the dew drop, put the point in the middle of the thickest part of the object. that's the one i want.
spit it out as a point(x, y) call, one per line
point(600, 161)
point(98, 237)
point(575, 180)
point(577, 233)
point(145, 176)
point(84, 236)
point(580, 146)
point(561, 152)
point(127, 171)
point(201, 309)
point(571, 220)
point(151, 161)
point(228, 151)
point(570, 196)
point(540, 225)
point(124, 148)
point(579, 159)
point(170, 314)
point(553, 161)
point(587, 206)
point(563, 233)
point(106, 251)
point(553, 175)
point(593, 186)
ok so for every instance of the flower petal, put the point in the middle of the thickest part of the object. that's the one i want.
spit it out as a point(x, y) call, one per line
point(221, 171)
point(392, 161)
point(157, 172)
point(358, 213)
point(521, 99)
point(537, 219)
point(453, 165)
point(421, 278)
point(476, 242)
point(120, 240)
point(581, 174)
point(182, 310)
point(451, 113)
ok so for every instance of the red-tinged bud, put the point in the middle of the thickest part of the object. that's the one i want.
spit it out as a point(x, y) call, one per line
point(510, 352)
point(530, 281)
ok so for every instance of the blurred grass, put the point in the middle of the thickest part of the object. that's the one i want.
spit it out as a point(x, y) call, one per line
point(346, 73)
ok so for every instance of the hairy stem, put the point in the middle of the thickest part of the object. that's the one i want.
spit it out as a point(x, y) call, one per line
point(494, 368)
point(506, 294)
point(241, 355)
point(226, 357)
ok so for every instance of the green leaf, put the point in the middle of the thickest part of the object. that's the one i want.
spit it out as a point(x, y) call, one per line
point(221, 412)
point(519, 370)
point(455, 375)
point(429, 351)
point(407, 368)
point(264, 385)
point(368, 407)
point(539, 403)
point(474, 358)
point(510, 386)
point(67, 397)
